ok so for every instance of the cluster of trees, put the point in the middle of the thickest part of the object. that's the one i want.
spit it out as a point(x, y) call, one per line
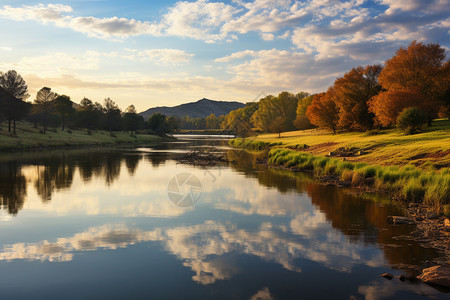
point(50, 109)
point(415, 77)
point(210, 122)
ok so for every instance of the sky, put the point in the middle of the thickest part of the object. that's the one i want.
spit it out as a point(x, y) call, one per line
point(164, 53)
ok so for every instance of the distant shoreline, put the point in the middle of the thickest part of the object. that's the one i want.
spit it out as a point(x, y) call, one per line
point(29, 138)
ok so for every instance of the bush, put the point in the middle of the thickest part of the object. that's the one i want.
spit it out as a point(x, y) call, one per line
point(413, 191)
point(347, 175)
point(411, 120)
point(357, 179)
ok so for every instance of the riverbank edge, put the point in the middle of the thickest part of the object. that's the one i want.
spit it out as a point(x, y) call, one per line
point(432, 226)
point(68, 144)
point(407, 183)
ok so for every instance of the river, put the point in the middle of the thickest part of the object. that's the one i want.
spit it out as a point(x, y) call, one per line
point(133, 223)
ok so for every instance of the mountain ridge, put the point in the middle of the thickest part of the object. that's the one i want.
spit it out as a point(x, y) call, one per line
point(198, 109)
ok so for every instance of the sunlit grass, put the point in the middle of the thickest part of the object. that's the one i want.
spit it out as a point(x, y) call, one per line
point(408, 182)
point(388, 147)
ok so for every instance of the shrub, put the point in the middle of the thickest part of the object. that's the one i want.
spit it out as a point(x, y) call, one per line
point(357, 179)
point(347, 175)
point(413, 191)
point(369, 171)
point(411, 120)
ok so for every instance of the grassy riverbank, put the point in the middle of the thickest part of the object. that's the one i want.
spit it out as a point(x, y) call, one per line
point(28, 138)
point(387, 147)
point(414, 168)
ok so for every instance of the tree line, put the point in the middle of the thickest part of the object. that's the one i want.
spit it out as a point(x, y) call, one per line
point(412, 88)
point(51, 110)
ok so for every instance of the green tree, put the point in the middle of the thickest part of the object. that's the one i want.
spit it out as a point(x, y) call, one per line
point(411, 120)
point(43, 106)
point(14, 85)
point(64, 108)
point(14, 91)
point(157, 123)
point(13, 109)
point(301, 121)
point(89, 115)
point(113, 117)
point(131, 120)
point(272, 109)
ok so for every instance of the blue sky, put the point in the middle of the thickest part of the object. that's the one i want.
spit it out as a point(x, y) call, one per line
point(154, 53)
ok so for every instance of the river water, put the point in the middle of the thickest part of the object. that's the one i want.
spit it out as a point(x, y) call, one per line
point(132, 223)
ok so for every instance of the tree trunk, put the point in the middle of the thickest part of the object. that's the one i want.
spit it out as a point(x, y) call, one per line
point(9, 124)
point(14, 122)
point(62, 124)
point(279, 134)
point(429, 122)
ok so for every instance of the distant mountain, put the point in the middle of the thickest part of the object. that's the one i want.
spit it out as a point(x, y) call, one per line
point(200, 109)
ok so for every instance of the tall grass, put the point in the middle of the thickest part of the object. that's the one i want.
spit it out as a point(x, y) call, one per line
point(408, 182)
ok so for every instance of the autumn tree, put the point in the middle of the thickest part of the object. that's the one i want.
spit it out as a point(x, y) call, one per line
point(352, 93)
point(323, 111)
point(417, 68)
point(388, 105)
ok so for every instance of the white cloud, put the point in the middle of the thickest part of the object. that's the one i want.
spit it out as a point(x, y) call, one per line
point(95, 27)
point(236, 55)
point(160, 56)
point(267, 36)
point(216, 21)
point(200, 20)
point(277, 70)
point(56, 63)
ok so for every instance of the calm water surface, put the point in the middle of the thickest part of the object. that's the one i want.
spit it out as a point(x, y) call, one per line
point(102, 223)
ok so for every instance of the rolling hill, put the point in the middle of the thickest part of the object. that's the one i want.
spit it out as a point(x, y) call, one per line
point(200, 109)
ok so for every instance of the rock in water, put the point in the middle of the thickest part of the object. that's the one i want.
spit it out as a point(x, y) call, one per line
point(399, 220)
point(387, 275)
point(439, 275)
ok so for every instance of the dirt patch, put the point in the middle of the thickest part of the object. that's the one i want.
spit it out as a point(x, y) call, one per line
point(418, 156)
point(324, 147)
point(437, 154)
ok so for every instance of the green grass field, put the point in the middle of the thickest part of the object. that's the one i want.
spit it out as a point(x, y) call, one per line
point(387, 147)
point(27, 137)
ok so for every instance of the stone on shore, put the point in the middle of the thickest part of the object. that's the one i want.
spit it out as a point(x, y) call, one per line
point(438, 275)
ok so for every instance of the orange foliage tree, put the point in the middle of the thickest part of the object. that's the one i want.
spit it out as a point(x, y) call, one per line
point(352, 93)
point(323, 111)
point(417, 69)
point(388, 105)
